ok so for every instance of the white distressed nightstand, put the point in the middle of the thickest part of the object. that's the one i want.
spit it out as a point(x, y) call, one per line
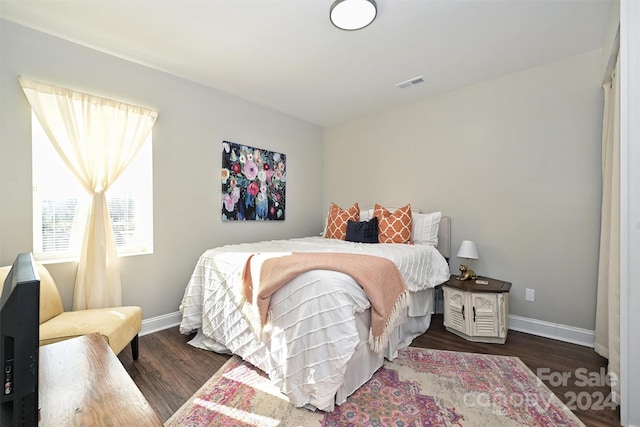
point(477, 312)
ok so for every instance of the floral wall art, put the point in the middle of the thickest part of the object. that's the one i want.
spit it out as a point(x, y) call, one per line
point(253, 183)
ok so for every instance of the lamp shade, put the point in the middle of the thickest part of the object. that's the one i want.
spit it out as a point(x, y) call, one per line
point(468, 250)
point(353, 14)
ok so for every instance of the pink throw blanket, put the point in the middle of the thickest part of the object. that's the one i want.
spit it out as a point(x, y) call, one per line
point(379, 277)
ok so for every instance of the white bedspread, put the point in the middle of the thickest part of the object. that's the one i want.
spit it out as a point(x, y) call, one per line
point(312, 323)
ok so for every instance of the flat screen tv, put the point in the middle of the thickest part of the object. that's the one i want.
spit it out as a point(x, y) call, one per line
point(19, 343)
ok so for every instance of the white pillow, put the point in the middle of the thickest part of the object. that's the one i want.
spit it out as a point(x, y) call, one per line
point(365, 215)
point(425, 228)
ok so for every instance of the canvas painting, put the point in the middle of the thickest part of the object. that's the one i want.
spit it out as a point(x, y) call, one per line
point(253, 183)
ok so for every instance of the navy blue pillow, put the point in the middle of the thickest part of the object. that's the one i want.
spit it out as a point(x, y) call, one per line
point(363, 231)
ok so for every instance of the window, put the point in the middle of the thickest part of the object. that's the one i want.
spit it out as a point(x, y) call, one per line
point(60, 203)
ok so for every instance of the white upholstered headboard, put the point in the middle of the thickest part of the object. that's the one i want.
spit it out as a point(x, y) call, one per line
point(444, 237)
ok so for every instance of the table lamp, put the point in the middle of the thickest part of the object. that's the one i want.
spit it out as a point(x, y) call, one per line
point(467, 251)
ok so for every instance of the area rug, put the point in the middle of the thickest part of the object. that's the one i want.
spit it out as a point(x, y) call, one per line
point(421, 387)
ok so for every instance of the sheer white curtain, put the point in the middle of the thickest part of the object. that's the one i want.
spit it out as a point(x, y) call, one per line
point(97, 138)
point(607, 333)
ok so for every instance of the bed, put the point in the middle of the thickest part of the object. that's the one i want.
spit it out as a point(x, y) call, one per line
point(316, 344)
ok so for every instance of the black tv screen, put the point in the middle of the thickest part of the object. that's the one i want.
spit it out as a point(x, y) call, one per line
point(19, 343)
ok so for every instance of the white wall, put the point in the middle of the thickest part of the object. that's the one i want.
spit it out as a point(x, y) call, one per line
point(514, 161)
point(192, 122)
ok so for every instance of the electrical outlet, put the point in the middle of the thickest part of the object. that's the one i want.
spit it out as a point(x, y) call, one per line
point(529, 295)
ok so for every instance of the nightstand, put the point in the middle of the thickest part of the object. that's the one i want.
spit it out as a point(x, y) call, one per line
point(477, 312)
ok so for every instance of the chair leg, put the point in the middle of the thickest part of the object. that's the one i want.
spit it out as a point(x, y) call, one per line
point(134, 347)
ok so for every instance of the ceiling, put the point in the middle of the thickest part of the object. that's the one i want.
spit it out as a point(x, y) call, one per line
point(286, 54)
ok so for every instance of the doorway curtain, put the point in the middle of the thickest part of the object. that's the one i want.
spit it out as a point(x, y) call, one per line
point(607, 332)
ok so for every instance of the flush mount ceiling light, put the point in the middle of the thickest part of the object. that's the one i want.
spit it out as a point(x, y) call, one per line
point(353, 14)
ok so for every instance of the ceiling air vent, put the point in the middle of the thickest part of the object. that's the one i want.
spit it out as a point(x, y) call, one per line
point(411, 82)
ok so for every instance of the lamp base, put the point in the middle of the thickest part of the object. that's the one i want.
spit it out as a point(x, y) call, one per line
point(467, 273)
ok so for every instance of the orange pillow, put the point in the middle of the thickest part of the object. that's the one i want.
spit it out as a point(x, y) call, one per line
point(394, 227)
point(337, 220)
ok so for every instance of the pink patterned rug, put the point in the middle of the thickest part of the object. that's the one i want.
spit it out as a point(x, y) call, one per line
point(421, 387)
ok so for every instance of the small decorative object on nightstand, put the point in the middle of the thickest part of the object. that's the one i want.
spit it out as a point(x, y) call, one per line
point(477, 310)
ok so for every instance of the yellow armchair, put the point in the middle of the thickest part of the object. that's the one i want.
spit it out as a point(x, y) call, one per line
point(118, 325)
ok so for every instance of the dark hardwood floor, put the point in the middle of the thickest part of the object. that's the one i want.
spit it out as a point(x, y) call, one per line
point(169, 370)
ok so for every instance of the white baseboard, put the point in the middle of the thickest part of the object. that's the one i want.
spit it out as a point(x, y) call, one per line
point(541, 328)
point(160, 323)
point(555, 331)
